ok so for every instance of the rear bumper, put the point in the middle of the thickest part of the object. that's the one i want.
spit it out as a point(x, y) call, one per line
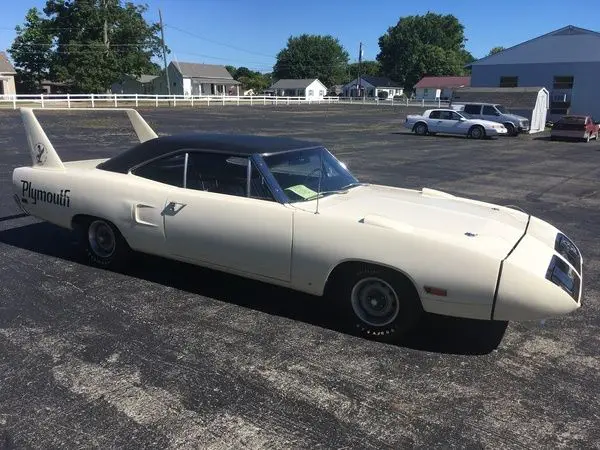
point(541, 278)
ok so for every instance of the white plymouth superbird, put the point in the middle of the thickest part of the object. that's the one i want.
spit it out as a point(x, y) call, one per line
point(449, 121)
point(288, 212)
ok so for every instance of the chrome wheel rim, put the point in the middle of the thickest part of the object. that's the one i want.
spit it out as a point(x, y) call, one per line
point(476, 132)
point(421, 129)
point(101, 239)
point(375, 302)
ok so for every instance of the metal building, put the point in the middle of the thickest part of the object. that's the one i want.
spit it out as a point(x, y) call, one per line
point(566, 62)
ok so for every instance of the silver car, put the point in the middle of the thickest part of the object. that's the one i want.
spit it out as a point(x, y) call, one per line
point(496, 113)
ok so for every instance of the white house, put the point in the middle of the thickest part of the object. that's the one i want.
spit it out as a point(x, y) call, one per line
point(566, 62)
point(434, 88)
point(197, 79)
point(7, 76)
point(381, 87)
point(309, 88)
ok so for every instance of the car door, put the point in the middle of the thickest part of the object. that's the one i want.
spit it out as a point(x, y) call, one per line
point(449, 122)
point(214, 220)
point(489, 113)
point(433, 124)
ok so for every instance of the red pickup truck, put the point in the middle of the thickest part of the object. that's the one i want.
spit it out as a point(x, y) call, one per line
point(575, 127)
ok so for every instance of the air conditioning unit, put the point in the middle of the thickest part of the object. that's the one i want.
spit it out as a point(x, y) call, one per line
point(559, 98)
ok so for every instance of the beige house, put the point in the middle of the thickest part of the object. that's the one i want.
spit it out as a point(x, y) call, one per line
point(7, 76)
point(197, 79)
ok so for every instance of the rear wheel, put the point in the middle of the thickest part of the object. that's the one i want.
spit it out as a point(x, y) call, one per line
point(376, 303)
point(421, 129)
point(103, 244)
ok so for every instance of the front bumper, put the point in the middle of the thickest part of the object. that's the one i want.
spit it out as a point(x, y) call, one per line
point(541, 278)
point(496, 131)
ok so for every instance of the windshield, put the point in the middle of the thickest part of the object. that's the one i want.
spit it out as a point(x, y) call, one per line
point(502, 109)
point(465, 115)
point(305, 174)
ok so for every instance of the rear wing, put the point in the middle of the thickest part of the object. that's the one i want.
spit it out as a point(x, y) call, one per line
point(41, 149)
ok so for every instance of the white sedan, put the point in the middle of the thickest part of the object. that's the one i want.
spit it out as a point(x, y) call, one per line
point(287, 212)
point(449, 121)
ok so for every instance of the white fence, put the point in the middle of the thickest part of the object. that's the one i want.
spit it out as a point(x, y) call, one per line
point(140, 100)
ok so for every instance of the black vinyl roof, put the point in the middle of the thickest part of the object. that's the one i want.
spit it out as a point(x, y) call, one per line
point(235, 144)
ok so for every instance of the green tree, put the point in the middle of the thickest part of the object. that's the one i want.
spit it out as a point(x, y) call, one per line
point(431, 44)
point(94, 42)
point(495, 50)
point(31, 51)
point(372, 68)
point(312, 56)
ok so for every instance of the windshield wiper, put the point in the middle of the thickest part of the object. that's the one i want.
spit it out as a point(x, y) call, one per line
point(342, 190)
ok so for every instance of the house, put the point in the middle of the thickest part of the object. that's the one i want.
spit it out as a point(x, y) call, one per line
point(381, 87)
point(434, 88)
point(309, 88)
point(7, 76)
point(566, 62)
point(335, 90)
point(530, 102)
point(196, 79)
point(131, 84)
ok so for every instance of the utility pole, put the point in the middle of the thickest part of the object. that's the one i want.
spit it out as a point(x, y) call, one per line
point(164, 52)
point(106, 43)
point(359, 63)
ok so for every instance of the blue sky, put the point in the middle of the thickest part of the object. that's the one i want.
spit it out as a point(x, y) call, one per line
point(251, 32)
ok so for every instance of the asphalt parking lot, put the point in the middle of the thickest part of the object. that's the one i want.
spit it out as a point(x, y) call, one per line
point(166, 355)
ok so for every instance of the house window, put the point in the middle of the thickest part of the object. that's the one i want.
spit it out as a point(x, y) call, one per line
point(563, 82)
point(507, 81)
point(321, 92)
point(310, 93)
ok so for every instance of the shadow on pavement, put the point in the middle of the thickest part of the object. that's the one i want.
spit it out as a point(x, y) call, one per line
point(436, 334)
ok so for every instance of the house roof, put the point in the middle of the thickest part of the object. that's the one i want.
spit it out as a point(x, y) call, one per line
point(5, 65)
point(443, 82)
point(209, 71)
point(234, 144)
point(566, 45)
point(380, 81)
point(518, 98)
point(293, 83)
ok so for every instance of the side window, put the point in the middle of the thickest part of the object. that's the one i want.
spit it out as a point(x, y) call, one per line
point(473, 109)
point(489, 111)
point(434, 115)
point(168, 170)
point(455, 116)
point(225, 174)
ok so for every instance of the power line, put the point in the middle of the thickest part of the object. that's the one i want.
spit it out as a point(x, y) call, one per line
point(219, 43)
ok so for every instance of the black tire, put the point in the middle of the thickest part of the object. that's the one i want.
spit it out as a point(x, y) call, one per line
point(477, 132)
point(103, 244)
point(510, 128)
point(398, 303)
point(421, 129)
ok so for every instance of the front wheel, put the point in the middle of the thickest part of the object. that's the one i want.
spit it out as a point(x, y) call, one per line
point(377, 303)
point(477, 132)
point(510, 129)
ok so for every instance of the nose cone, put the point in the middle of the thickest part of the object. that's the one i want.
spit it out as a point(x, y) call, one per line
point(523, 295)
point(536, 282)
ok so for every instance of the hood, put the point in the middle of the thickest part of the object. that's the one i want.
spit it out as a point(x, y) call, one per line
point(433, 214)
point(515, 117)
point(486, 123)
